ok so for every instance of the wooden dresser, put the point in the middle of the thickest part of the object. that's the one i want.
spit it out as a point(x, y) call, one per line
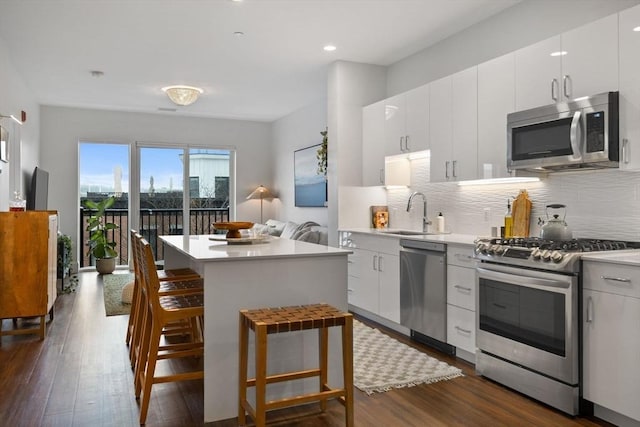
point(28, 260)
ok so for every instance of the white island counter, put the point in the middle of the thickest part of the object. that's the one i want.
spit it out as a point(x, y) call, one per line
point(273, 273)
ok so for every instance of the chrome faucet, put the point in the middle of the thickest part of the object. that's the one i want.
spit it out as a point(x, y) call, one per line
point(425, 220)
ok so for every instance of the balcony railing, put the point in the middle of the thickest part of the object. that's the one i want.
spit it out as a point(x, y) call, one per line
point(153, 223)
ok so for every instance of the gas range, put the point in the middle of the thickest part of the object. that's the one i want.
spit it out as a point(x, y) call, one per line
point(533, 252)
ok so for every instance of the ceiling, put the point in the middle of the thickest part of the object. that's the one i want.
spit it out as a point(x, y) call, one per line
point(275, 68)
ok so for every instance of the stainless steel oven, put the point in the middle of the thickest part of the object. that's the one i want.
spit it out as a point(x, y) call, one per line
point(528, 308)
point(527, 334)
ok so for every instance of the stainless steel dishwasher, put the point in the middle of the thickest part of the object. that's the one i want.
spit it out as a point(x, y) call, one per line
point(423, 291)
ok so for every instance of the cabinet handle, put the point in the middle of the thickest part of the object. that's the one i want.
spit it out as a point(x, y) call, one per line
point(375, 262)
point(380, 263)
point(381, 176)
point(453, 168)
point(625, 150)
point(462, 288)
point(464, 257)
point(567, 93)
point(616, 279)
point(401, 142)
point(589, 316)
point(446, 169)
point(554, 86)
point(406, 143)
point(465, 331)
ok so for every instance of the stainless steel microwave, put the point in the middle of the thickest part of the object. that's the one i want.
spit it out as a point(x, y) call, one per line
point(582, 133)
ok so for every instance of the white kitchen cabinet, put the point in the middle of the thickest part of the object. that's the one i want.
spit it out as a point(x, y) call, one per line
point(373, 144)
point(461, 298)
point(363, 289)
point(406, 121)
point(611, 343)
point(453, 106)
point(374, 284)
point(591, 63)
point(629, 88)
point(496, 99)
point(584, 63)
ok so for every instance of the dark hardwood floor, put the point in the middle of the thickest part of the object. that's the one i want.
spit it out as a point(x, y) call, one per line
point(80, 376)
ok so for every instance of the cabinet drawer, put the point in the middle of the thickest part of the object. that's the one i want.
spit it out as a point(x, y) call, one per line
point(461, 328)
point(461, 255)
point(612, 278)
point(387, 244)
point(461, 287)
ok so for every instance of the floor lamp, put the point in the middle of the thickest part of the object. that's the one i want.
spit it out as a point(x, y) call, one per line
point(261, 193)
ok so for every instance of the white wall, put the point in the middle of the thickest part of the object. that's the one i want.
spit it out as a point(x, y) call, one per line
point(518, 26)
point(62, 129)
point(24, 141)
point(350, 87)
point(299, 129)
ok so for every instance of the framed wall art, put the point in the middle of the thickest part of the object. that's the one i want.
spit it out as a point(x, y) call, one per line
point(4, 145)
point(310, 177)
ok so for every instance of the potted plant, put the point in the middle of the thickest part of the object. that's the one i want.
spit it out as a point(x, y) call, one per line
point(100, 247)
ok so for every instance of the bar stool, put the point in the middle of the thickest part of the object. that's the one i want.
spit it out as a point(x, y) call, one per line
point(172, 282)
point(285, 319)
point(159, 311)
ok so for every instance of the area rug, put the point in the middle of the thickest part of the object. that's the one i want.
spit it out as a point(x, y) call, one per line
point(382, 363)
point(112, 284)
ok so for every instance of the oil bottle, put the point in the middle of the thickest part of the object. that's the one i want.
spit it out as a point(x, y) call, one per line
point(508, 221)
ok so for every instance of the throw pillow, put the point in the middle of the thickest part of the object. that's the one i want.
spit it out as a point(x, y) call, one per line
point(288, 230)
point(127, 292)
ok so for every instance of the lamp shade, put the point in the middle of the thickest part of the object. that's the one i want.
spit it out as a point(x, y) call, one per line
point(182, 95)
point(261, 192)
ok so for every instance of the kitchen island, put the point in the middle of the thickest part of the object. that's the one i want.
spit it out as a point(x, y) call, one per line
point(270, 273)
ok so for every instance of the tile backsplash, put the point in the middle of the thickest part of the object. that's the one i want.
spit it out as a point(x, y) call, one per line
point(601, 204)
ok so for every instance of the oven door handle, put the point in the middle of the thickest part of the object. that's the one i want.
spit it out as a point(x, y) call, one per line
point(526, 281)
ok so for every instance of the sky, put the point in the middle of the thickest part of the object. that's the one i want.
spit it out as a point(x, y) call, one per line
point(98, 163)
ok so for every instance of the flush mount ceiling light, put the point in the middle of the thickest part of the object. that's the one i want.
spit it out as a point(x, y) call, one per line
point(636, 29)
point(329, 48)
point(182, 95)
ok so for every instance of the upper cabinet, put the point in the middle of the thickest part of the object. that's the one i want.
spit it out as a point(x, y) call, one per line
point(630, 88)
point(406, 121)
point(453, 105)
point(580, 62)
point(496, 99)
point(373, 144)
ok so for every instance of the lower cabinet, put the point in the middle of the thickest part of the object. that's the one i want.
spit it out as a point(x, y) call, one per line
point(611, 342)
point(461, 298)
point(374, 274)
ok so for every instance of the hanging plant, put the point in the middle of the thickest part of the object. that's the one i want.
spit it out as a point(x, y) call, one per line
point(321, 155)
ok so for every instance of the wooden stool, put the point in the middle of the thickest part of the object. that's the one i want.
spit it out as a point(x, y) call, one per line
point(285, 319)
point(172, 282)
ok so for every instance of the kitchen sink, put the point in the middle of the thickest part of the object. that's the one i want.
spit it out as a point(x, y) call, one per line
point(407, 232)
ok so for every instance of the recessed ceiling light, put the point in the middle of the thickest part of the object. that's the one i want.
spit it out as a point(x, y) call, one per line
point(238, 33)
point(559, 53)
point(636, 29)
point(96, 73)
point(329, 48)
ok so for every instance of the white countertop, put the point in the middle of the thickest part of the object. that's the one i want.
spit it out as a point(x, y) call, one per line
point(202, 248)
point(626, 257)
point(450, 238)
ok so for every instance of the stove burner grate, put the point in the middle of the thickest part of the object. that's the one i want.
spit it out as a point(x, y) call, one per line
point(573, 245)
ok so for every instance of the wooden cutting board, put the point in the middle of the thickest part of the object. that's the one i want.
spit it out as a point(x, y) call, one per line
point(521, 212)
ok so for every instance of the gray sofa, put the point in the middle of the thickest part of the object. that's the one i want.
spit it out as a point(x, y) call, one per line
point(308, 231)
